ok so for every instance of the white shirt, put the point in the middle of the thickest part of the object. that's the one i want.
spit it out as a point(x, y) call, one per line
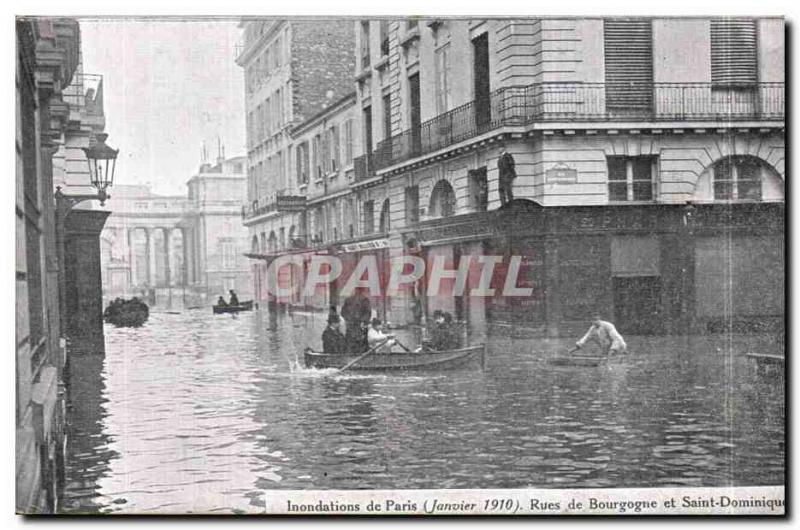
point(604, 334)
point(376, 336)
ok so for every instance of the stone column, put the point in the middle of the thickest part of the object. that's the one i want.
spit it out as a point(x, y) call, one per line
point(185, 268)
point(167, 257)
point(131, 258)
point(151, 258)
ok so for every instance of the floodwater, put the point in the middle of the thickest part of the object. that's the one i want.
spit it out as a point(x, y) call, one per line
point(201, 413)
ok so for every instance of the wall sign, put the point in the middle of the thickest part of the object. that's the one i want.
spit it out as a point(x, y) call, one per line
point(561, 174)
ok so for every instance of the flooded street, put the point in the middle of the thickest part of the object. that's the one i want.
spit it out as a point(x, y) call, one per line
point(197, 413)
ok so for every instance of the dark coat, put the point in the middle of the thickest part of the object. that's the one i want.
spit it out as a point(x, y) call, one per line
point(505, 166)
point(333, 341)
point(443, 337)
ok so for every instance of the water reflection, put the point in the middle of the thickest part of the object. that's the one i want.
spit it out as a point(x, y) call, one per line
point(196, 413)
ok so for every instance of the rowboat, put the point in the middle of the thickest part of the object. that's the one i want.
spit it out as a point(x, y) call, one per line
point(131, 313)
point(384, 362)
point(767, 362)
point(244, 306)
point(583, 360)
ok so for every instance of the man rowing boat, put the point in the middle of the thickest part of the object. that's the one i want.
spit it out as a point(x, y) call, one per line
point(606, 336)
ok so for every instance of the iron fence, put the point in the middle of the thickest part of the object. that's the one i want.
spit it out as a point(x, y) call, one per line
point(584, 102)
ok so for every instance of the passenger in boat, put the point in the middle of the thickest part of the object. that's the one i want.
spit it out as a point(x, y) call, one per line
point(443, 335)
point(376, 336)
point(356, 312)
point(333, 341)
point(606, 336)
point(221, 302)
point(234, 298)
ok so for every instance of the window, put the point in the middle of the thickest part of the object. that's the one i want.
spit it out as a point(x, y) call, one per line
point(628, 45)
point(443, 200)
point(412, 204)
point(733, 52)
point(442, 66)
point(228, 251)
point(364, 44)
point(737, 178)
point(384, 222)
point(369, 217)
point(279, 109)
point(348, 142)
point(384, 35)
point(333, 133)
point(630, 178)
point(479, 189)
point(287, 106)
point(302, 163)
point(278, 51)
point(316, 156)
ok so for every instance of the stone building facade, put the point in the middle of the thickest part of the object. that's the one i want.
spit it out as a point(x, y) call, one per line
point(649, 155)
point(46, 60)
point(607, 113)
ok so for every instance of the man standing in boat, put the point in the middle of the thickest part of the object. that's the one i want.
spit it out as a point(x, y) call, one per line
point(234, 298)
point(356, 312)
point(332, 339)
point(606, 336)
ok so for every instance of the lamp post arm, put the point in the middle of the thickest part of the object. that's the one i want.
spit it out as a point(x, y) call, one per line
point(65, 203)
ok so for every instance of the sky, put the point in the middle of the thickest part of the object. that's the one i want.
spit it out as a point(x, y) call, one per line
point(169, 86)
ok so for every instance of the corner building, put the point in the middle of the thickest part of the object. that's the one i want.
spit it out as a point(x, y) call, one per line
point(649, 156)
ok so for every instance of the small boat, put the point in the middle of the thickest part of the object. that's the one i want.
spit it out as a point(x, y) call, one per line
point(384, 362)
point(244, 306)
point(767, 362)
point(583, 360)
point(131, 313)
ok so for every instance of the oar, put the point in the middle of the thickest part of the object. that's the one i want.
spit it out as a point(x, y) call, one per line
point(406, 348)
point(354, 361)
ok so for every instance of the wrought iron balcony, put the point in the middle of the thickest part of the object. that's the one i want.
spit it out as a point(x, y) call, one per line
point(362, 167)
point(279, 203)
point(587, 103)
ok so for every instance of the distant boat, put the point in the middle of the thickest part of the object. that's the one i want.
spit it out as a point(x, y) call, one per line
point(131, 313)
point(385, 362)
point(244, 306)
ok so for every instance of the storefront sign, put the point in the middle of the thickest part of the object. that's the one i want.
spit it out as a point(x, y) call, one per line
point(374, 244)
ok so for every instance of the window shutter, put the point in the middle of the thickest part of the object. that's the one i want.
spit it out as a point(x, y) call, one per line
point(629, 63)
point(733, 52)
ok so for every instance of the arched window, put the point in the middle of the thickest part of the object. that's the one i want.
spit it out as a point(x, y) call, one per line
point(443, 200)
point(292, 236)
point(263, 243)
point(254, 245)
point(272, 244)
point(384, 223)
point(744, 178)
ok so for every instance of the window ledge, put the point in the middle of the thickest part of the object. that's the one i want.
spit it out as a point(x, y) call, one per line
point(382, 63)
point(364, 74)
point(410, 36)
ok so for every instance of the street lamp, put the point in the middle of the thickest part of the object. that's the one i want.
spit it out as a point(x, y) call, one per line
point(102, 161)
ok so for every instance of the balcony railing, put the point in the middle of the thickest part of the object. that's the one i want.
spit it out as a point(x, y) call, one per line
point(279, 203)
point(584, 102)
point(83, 90)
point(362, 167)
